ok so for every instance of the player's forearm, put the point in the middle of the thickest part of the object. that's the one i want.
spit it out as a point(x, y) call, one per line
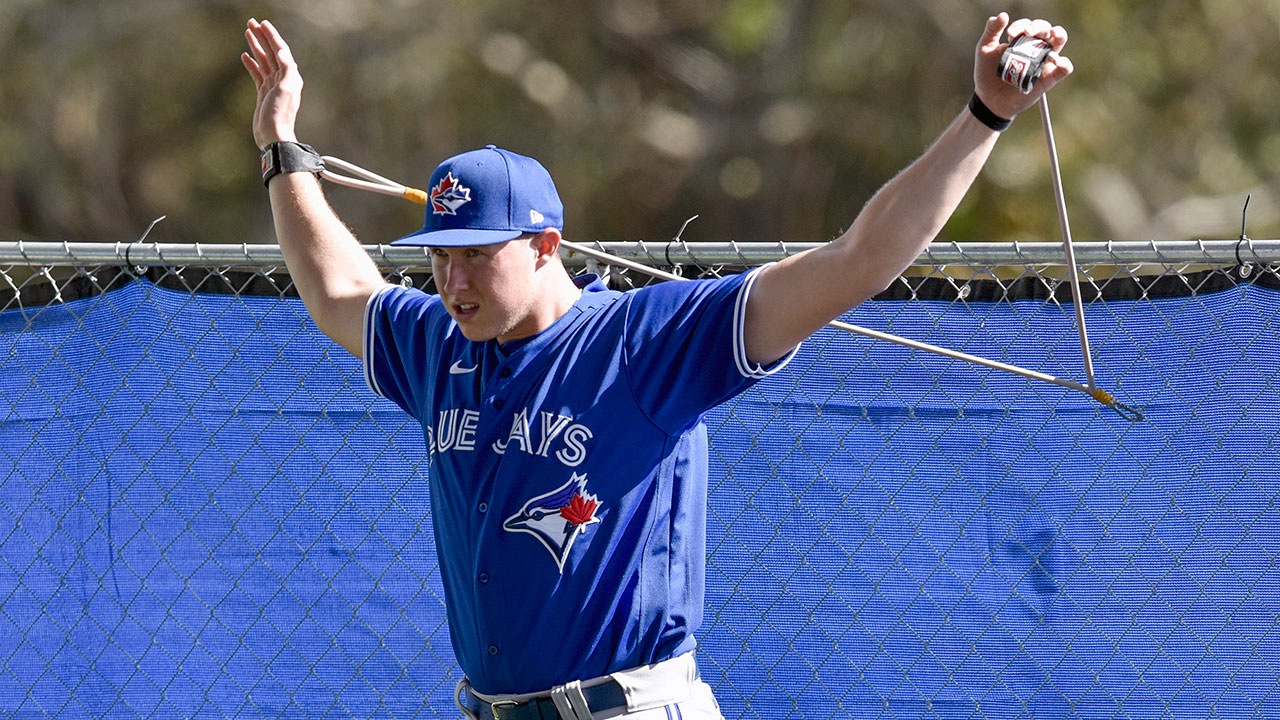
point(333, 273)
point(798, 296)
point(906, 214)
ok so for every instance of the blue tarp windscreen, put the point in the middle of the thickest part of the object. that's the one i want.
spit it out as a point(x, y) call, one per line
point(204, 513)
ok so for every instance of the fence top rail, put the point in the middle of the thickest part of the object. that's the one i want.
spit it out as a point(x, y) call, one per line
point(1210, 252)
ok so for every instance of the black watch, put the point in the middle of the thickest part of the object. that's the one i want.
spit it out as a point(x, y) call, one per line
point(286, 157)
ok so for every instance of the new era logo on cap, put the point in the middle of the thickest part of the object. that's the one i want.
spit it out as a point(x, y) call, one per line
point(487, 196)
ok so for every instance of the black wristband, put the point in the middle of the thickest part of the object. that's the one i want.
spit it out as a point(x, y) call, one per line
point(986, 117)
point(286, 156)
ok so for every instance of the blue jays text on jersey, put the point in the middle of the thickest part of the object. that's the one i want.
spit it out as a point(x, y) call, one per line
point(455, 429)
point(568, 473)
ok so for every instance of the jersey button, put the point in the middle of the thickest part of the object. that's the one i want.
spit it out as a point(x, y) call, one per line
point(483, 507)
point(493, 649)
point(498, 403)
point(484, 578)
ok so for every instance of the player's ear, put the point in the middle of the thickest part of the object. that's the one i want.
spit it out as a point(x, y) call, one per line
point(547, 244)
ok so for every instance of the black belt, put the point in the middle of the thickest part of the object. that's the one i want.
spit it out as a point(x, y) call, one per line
point(600, 698)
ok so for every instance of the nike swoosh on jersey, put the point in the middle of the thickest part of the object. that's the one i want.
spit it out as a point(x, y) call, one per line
point(456, 369)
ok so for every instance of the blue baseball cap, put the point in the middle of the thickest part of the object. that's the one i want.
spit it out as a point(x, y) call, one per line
point(487, 196)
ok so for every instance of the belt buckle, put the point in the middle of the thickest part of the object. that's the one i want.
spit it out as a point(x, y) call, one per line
point(502, 704)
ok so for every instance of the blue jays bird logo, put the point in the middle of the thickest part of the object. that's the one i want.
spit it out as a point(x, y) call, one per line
point(448, 195)
point(557, 518)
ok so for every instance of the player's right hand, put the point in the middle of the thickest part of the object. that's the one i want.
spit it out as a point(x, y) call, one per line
point(279, 84)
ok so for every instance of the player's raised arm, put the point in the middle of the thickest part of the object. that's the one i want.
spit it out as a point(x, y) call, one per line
point(332, 272)
point(798, 296)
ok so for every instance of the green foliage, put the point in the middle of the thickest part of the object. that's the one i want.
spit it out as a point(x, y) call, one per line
point(745, 26)
point(773, 120)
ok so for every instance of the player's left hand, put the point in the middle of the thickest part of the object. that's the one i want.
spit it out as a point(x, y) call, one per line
point(1004, 99)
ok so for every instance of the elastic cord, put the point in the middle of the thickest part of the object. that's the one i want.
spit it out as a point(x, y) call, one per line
point(985, 116)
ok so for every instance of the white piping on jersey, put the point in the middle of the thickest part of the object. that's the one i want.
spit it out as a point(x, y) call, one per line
point(368, 339)
point(747, 368)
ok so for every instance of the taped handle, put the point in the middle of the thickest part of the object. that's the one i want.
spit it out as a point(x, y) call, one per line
point(1022, 61)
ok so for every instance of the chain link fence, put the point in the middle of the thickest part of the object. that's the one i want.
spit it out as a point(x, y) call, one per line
point(204, 512)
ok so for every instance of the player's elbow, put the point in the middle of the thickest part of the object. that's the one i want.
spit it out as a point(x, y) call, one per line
point(869, 265)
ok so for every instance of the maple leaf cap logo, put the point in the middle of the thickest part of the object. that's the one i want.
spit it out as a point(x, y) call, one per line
point(448, 195)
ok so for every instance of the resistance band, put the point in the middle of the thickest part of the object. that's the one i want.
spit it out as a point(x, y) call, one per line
point(365, 180)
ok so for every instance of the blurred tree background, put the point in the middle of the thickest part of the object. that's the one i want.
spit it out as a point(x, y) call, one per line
point(772, 119)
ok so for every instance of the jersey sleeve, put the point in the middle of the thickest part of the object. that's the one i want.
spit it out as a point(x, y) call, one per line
point(397, 344)
point(686, 350)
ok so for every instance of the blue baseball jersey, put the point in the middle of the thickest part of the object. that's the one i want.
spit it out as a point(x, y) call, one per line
point(568, 471)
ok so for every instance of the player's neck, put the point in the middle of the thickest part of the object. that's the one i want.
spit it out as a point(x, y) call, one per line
point(561, 294)
point(556, 295)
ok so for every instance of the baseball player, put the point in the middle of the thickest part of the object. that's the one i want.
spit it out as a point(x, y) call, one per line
point(568, 473)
